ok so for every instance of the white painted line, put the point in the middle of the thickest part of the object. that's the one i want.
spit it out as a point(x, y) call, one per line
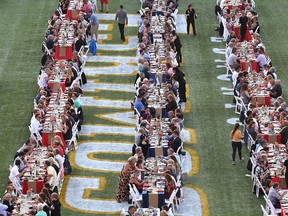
point(102, 36)
point(134, 18)
point(220, 66)
point(219, 60)
point(122, 68)
point(223, 77)
point(216, 39)
point(124, 117)
point(105, 129)
point(228, 106)
point(228, 93)
point(191, 205)
point(82, 160)
point(232, 121)
point(103, 27)
point(117, 70)
point(132, 44)
point(91, 86)
point(75, 191)
point(226, 89)
point(219, 51)
point(90, 101)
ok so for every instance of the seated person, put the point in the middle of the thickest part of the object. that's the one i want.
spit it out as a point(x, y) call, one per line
point(170, 185)
point(138, 183)
point(36, 124)
point(261, 59)
point(7, 200)
point(232, 60)
point(262, 172)
point(273, 195)
point(138, 105)
point(276, 90)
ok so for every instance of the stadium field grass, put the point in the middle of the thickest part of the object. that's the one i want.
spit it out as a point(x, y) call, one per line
point(226, 186)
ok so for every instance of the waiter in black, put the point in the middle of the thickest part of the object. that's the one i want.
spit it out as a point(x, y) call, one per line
point(190, 18)
point(243, 20)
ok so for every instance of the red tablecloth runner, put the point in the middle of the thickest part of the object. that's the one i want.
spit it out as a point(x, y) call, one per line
point(263, 100)
point(254, 66)
point(63, 53)
point(272, 138)
point(248, 36)
point(35, 185)
point(62, 85)
point(72, 14)
point(47, 136)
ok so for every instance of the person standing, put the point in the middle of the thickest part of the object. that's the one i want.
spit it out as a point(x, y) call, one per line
point(236, 137)
point(94, 24)
point(243, 20)
point(55, 205)
point(285, 167)
point(123, 187)
point(122, 18)
point(190, 18)
point(178, 46)
point(104, 2)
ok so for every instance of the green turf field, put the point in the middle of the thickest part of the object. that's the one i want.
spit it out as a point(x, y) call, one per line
point(23, 24)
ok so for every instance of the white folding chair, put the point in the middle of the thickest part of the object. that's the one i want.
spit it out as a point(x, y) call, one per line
point(228, 69)
point(138, 195)
point(273, 211)
point(16, 185)
point(35, 135)
point(80, 76)
point(72, 143)
point(265, 213)
point(138, 116)
point(268, 61)
point(46, 50)
point(179, 152)
point(219, 17)
point(176, 11)
point(62, 16)
point(135, 200)
point(39, 83)
point(250, 141)
point(75, 127)
point(254, 164)
point(226, 33)
point(179, 188)
point(142, 2)
point(170, 202)
point(94, 5)
point(81, 51)
point(257, 29)
point(58, 182)
point(174, 15)
point(258, 186)
point(239, 105)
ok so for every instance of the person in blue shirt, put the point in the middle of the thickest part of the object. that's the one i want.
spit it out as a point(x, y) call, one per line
point(138, 104)
point(94, 24)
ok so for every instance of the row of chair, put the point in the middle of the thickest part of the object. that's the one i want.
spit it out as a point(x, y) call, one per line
point(257, 187)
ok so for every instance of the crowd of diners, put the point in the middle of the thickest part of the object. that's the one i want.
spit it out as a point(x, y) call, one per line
point(265, 122)
point(55, 158)
point(160, 91)
point(237, 15)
